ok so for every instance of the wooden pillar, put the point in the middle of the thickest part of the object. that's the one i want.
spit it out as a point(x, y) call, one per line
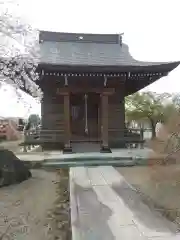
point(99, 122)
point(104, 130)
point(67, 128)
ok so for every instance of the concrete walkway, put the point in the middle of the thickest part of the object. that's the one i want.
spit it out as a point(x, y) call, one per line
point(105, 207)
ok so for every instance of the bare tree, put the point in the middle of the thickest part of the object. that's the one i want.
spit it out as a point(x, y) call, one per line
point(18, 51)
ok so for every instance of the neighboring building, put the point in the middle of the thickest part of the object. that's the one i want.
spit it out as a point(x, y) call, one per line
point(85, 78)
point(8, 129)
point(145, 125)
point(21, 123)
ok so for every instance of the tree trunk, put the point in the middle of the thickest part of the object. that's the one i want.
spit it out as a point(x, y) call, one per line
point(153, 128)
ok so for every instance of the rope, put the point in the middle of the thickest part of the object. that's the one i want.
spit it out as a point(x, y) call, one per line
point(86, 120)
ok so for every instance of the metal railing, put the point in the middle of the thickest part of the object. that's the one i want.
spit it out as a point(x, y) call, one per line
point(37, 136)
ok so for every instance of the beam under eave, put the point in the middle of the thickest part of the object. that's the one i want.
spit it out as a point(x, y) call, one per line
point(62, 91)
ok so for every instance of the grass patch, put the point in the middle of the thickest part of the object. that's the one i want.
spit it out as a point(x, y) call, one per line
point(60, 220)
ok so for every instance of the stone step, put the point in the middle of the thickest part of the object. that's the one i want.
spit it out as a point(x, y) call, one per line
point(86, 158)
point(61, 164)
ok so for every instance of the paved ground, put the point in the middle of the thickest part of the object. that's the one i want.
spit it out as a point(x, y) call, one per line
point(11, 145)
point(15, 147)
point(105, 207)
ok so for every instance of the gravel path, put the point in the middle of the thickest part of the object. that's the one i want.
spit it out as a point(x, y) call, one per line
point(11, 145)
point(24, 208)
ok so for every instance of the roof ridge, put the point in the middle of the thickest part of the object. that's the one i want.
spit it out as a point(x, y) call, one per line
point(81, 33)
point(79, 37)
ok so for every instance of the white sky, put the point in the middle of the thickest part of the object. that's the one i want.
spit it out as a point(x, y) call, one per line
point(151, 29)
point(11, 106)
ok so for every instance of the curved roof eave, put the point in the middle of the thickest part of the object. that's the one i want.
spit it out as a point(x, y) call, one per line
point(141, 67)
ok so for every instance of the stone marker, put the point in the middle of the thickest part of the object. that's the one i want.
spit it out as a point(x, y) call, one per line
point(12, 170)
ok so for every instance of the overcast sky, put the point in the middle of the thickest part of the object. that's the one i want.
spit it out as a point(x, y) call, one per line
point(151, 29)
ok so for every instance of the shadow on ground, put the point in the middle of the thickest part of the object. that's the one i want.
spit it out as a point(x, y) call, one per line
point(92, 215)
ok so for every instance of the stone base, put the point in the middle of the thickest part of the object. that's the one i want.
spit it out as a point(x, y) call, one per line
point(50, 146)
point(105, 149)
point(67, 150)
point(117, 144)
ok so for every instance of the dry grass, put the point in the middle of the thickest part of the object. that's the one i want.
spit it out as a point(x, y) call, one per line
point(167, 143)
point(60, 225)
point(160, 180)
point(166, 179)
point(165, 191)
point(159, 185)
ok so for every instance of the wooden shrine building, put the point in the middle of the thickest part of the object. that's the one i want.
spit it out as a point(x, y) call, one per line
point(84, 79)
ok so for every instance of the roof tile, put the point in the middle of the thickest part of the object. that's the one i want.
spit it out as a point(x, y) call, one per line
point(93, 50)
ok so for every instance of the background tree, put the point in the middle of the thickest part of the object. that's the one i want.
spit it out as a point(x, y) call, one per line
point(34, 120)
point(150, 107)
point(176, 101)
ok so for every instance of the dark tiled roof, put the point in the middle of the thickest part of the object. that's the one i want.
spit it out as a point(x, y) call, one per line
point(88, 50)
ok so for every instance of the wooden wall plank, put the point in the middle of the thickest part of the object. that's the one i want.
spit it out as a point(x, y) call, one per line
point(52, 114)
point(116, 115)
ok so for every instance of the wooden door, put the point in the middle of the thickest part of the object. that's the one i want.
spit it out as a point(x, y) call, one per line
point(84, 117)
point(77, 116)
point(92, 116)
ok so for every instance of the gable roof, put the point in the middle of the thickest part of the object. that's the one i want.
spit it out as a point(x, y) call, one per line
point(93, 50)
